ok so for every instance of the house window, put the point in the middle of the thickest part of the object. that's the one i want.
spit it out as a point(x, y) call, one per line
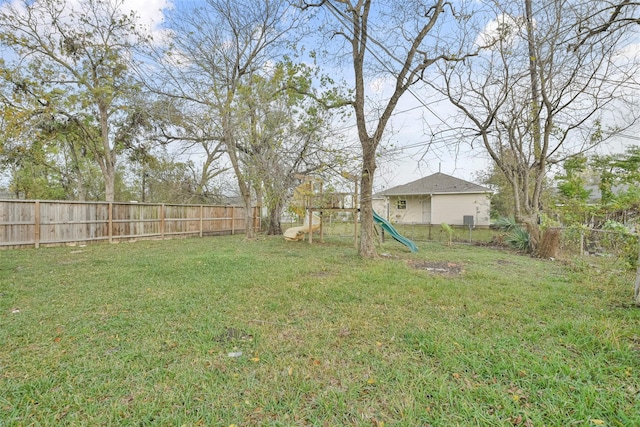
point(402, 204)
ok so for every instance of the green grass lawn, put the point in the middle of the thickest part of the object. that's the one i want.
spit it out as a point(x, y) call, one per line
point(142, 333)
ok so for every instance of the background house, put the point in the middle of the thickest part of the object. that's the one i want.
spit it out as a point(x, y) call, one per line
point(436, 199)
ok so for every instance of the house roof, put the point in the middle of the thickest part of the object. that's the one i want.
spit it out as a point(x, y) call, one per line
point(438, 183)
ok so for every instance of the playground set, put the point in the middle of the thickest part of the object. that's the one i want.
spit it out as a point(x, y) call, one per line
point(311, 202)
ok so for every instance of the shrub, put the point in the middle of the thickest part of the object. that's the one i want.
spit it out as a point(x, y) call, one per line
point(505, 223)
point(517, 237)
point(446, 227)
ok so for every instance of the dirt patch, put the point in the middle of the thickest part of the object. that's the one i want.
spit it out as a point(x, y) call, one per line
point(438, 267)
point(233, 334)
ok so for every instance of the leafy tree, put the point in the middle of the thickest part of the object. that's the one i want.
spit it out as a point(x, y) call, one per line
point(285, 134)
point(215, 49)
point(166, 177)
point(619, 183)
point(572, 192)
point(572, 183)
point(68, 68)
point(501, 200)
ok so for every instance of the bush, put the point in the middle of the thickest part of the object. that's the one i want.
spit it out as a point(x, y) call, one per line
point(517, 237)
point(505, 223)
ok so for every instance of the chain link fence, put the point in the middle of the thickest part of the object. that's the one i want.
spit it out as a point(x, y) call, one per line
point(583, 241)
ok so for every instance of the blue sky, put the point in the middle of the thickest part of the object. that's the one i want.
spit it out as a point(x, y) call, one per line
point(422, 134)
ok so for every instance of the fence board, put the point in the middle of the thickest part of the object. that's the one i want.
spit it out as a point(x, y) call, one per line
point(52, 222)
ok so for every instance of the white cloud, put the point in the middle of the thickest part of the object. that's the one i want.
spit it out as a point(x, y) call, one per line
point(504, 29)
point(378, 85)
point(149, 12)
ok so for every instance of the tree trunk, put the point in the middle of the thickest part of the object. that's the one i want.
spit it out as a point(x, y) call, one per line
point(274, 228)
point(549, 244)
point(243, 184)
point(106, 156)
point(367, 229)
point(533, 75)
point(109, 184)
point(248, 216)
point(533, 228)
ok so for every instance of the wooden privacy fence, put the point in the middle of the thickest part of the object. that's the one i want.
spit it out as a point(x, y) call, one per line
point(48, 222)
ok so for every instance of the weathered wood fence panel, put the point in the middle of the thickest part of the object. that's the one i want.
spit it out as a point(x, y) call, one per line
point(48, 222)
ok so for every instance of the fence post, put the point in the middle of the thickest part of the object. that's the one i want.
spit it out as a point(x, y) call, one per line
point(36, 220)
point(201, 218)
point(162, 215)
point(257, 218)
point(233, 220)
point(110, 222)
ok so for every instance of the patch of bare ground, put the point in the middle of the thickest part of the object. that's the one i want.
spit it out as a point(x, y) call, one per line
point(438, 267)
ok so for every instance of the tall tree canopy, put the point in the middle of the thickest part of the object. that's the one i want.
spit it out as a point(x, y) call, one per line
point(68, 68)
point(214, 49)
point(284, 134)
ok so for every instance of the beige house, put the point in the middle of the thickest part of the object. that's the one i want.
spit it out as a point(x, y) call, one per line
point(436, 199)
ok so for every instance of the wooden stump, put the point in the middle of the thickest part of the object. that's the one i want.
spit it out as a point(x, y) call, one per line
point(549, 244)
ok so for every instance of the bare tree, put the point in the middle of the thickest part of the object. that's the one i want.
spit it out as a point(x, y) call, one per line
point(534, 98)
point(607, 17)
point(192, 130)
point(214, 49)
point(395, 41)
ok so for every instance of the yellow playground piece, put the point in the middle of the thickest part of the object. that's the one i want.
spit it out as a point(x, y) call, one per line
point(308, 226)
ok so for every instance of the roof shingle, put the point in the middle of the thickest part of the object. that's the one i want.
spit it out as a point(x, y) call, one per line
point(438, 183)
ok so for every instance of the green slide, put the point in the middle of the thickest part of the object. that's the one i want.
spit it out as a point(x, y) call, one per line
point(386, 226)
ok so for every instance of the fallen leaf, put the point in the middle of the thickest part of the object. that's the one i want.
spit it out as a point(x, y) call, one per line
point(255, 359)
point(597, 422)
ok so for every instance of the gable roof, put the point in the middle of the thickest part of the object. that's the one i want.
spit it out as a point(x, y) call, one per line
point(438, 183)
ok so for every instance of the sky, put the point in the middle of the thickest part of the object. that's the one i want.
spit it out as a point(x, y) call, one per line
point(422, 118)
point(407, 127)
point(421, 137)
